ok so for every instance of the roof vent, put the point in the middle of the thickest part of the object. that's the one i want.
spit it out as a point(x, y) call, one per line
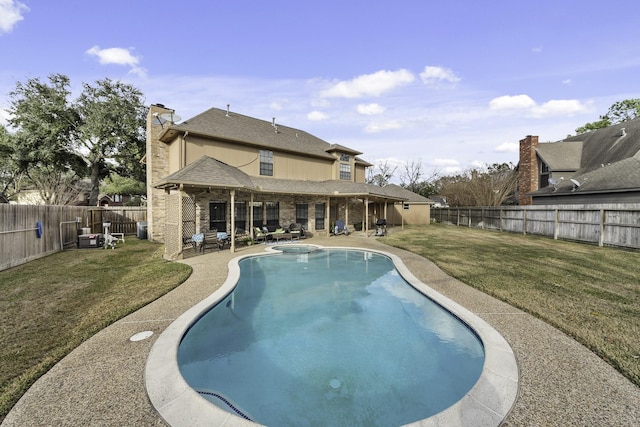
point(273, 123)
point(228, 105)
point(623, 132)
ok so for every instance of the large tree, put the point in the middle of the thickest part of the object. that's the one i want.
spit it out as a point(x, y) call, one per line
point(492, 185)
point(102, 131)
point(9, 170)
point(46, 124)
point(619, 112)
point(111, 130)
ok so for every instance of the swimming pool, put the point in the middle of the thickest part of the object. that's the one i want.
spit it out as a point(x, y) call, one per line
point(354, 380)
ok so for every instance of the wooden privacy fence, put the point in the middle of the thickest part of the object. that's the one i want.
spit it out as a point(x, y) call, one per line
point(29, 232)
point(604, 225)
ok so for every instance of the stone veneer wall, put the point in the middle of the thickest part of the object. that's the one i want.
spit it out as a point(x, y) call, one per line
point(287, 208)
point(527, 170)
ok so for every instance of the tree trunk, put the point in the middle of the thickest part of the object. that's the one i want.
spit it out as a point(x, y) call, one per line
point(95, 184)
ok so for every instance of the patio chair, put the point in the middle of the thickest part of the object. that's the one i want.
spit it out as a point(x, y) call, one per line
point(259, 235)
point(340, 228)
point(213, 239)
point(297, 231)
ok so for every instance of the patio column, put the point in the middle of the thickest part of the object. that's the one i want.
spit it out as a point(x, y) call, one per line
point(346, 213)
point(232, 247)
point(251, 233)
point(180, 223)
point(385, 210)
point(327, 224)
point(366, 216)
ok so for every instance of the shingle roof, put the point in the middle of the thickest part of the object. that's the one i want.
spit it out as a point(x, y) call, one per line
point(209, 172)
point(610, 160)
point(215, 123)
point(561, 156)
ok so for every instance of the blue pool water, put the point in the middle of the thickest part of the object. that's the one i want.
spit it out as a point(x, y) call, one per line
point(332, 337)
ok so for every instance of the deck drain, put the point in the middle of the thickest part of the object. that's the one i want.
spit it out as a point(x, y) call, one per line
point(141, 336)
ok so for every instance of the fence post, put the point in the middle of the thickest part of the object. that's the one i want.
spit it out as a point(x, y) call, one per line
point(556, 225)
point(524, 221)
point(602, 220)
point(469, 218)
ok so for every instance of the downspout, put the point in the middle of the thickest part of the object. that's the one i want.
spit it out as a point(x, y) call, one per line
point(183, 153)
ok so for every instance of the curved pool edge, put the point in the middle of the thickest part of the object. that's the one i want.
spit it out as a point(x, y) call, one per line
point(487, 403)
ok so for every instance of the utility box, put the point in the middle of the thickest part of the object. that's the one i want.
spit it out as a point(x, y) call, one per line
point(142, 230)
point(90, 241)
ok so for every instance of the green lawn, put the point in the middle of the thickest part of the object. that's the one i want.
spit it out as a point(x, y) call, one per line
point(590, 293)
point(51, 305)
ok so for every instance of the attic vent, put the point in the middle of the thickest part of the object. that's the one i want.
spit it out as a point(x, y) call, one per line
point(623, 132)
point(228, 105)
point(273, 123)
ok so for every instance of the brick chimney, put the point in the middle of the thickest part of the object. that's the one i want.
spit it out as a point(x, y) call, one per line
point(527, 169)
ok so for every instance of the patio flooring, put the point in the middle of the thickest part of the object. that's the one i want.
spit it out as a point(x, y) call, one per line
point(101, 383)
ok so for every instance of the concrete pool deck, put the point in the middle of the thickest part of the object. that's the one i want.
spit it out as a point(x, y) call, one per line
point(102, 381)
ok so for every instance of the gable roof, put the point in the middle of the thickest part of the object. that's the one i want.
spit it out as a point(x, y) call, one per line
point(561, 156)
point(226, 125)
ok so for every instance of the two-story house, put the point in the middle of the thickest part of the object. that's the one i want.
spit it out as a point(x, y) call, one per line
point(225, 171)
point(601, 166)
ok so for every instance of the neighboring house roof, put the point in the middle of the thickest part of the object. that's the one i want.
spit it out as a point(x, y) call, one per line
point(209, 172)
point(561, 156)
point(609, 160)
point(230, 126)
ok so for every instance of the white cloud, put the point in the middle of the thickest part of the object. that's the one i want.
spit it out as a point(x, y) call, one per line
point(376, 127)
point(435, 75)
point(444, 163)
point(117, 56)
point(508, 102)
point(560, 107)
point(537, 49)
point(507, 147)
point(10, 14)
point(370, 109)
point(566, 82)
point(369, 84)
point(316, 116)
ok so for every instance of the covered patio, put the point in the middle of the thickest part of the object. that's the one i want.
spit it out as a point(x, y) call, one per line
point(210, 195)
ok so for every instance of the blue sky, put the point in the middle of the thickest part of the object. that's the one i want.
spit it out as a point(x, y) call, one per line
point(452, 84)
